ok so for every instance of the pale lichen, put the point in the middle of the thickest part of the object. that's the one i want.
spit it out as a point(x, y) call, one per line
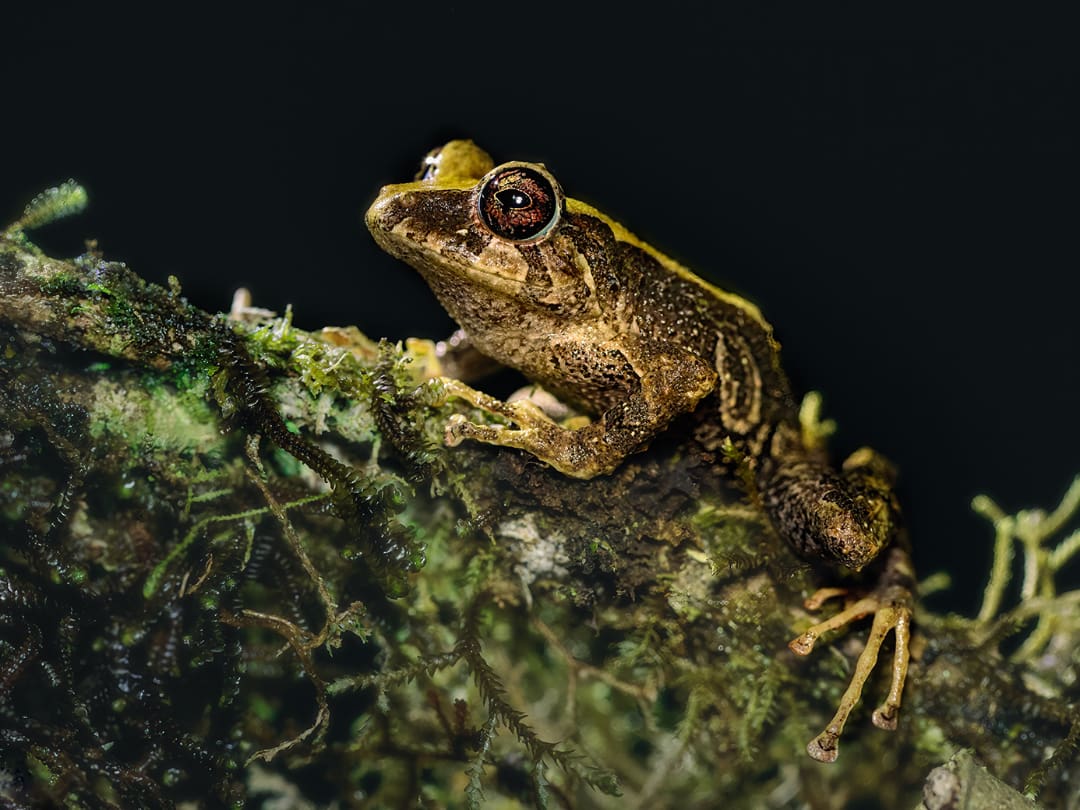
point(1044, 554)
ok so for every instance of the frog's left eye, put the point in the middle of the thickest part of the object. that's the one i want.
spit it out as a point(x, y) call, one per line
point(519, 201)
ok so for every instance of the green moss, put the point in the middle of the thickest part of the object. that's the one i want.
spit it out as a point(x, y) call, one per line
point(64, 285)
point(154, 419)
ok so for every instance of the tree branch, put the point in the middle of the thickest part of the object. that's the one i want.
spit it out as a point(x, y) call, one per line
point(146, 445)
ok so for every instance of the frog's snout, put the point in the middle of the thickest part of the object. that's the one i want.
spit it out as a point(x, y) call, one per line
point(386, 212)
point(431, 209)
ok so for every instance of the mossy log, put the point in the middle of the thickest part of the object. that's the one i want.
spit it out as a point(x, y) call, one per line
point(239, 562)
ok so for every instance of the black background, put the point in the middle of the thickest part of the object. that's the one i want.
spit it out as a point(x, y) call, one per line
point(904, 212)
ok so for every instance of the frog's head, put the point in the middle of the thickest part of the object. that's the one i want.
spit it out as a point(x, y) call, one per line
point(491, 241)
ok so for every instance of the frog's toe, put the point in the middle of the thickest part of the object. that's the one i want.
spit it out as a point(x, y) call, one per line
point(453, 434)
point(804, 644)
point(890, 605)
point(458, 428)
point(824, 747)
point(885, 716)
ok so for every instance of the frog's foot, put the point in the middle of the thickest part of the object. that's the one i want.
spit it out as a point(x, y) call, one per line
point(571, 452)
point(891, 604)
point(577, 453)
point(530, 420)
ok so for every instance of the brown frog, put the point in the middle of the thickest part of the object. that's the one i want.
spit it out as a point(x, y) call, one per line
point(552, 287)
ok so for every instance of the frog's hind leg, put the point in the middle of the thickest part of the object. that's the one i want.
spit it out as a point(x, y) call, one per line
point(891, 604)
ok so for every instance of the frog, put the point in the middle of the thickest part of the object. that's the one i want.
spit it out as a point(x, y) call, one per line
point(552, 287)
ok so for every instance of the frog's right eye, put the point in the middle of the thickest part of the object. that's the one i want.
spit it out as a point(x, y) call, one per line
point(519, 201)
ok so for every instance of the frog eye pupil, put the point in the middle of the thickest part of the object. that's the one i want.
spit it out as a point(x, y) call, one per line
point(519, 202)
point(512, 198)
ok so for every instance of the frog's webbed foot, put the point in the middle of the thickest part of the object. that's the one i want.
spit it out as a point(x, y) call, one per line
point(891, 605)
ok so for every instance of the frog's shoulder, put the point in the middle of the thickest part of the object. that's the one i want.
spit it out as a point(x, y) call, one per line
point(625, 236)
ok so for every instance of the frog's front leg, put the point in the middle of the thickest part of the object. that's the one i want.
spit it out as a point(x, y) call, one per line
point(674, 383)
point(891, 605)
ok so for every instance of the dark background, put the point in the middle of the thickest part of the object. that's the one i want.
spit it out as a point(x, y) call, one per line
point(904, 212)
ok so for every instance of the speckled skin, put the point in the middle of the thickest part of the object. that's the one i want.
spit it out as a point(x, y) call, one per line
point(624, 334)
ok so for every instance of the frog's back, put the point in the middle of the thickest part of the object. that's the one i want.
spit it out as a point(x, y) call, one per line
point(664, 301)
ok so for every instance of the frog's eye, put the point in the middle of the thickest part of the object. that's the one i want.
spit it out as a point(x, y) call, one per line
point(519, 201)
